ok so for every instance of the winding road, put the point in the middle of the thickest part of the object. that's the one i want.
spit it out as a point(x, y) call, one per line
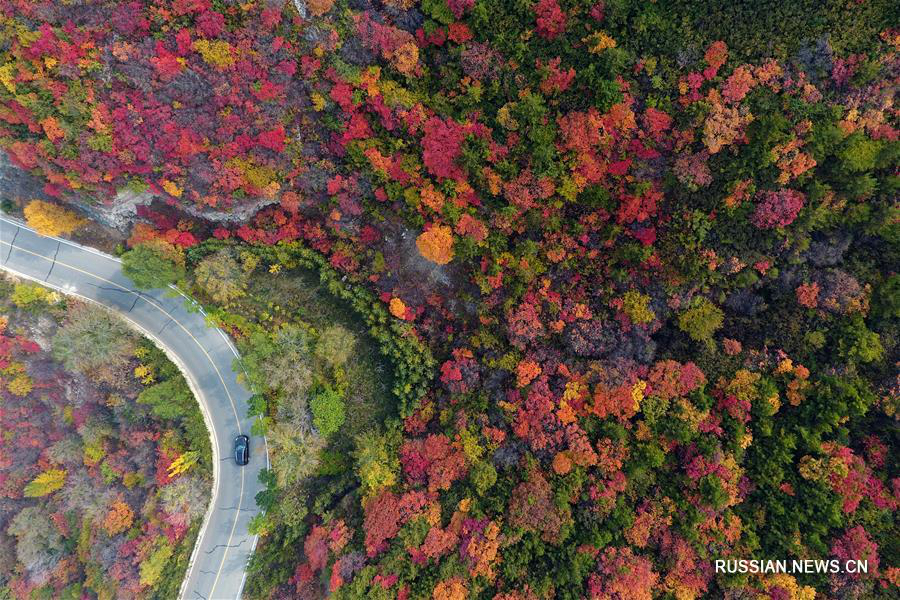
point(205, 356)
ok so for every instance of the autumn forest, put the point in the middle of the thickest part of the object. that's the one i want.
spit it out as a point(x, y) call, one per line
point(535, 298)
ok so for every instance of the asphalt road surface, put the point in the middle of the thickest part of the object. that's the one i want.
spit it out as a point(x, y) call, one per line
point(205, 356)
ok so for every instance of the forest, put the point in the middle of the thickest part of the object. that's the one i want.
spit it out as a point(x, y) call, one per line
point(106, 470)
point(536, 298)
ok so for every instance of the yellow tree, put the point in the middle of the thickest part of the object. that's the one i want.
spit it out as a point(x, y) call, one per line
point(183, 463)
point(51, 219)
point(46, 483)
point(436, 244)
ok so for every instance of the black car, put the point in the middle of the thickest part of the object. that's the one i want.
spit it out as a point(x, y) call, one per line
point(242, 450)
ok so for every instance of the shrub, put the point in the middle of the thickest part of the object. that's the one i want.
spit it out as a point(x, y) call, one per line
point(153, 265)
point(328, 411)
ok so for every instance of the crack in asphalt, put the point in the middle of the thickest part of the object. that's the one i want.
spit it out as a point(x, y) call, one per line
point(217, 546)
point(12, 245)
point(236, 508)
point(199, 595)
point(53, 264)
point(163, 328)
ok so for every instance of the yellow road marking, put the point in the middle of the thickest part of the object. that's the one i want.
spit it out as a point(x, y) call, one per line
point(208, 357)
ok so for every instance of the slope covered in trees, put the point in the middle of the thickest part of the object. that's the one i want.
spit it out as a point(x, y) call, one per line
point(106, 467)
point(651, 248)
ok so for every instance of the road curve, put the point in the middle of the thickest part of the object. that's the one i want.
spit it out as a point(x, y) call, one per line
point(217, 570)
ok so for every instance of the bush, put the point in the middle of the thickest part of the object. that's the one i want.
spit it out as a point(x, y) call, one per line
point(328, 411)
point(154, 265)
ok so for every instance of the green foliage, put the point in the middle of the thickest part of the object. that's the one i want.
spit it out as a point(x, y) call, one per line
point(335, 345)
point(701, 320)
point(328, 411)
point(377, 465)
point(856, 342)
point(221, 276)
point(171, 399)
point(152, 567)
point(152, 266)
point(92, 340)
point(46, 483)
point(859, 153)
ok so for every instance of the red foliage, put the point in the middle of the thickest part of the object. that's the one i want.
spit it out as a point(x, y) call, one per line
point(777, 209)
point(385, 514)
point(622, 576)
point(442, 145)
point(434, 458)
point(531, 507)
point(551, 20)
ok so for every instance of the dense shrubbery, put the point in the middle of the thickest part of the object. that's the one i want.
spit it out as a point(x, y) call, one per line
point(107, 469)
point(653, 259)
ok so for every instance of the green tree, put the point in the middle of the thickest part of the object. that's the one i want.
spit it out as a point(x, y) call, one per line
point(701, 320)
point(377, 465)
point(221, 276)
point(38, 541)
point(171, 399)
point(153, 265)
point(294, 451)
point(335, 345)
point(93, 341)
point(328, 411)
point(856, 342)
point(152, 566)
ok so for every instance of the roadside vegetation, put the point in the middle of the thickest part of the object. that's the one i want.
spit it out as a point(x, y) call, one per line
point(106, 470)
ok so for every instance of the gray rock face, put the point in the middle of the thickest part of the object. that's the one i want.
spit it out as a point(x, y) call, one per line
point(119, 213)
point(18, 183)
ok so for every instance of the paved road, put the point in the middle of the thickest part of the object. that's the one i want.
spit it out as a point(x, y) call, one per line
point(205, 356)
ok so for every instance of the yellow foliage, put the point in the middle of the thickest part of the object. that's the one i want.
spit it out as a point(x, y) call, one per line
point(637, 393)
point(46, 483)
point(789, 584)
point(318, 101)
point(171, 188)
point(183, 463)
point(217, 53)
point(436, 245)
point(20, 385)
point(637, 306)
point(599, 42)
point(51, 219)
point(7, 77)
point(145, 374)
point(397, 308)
